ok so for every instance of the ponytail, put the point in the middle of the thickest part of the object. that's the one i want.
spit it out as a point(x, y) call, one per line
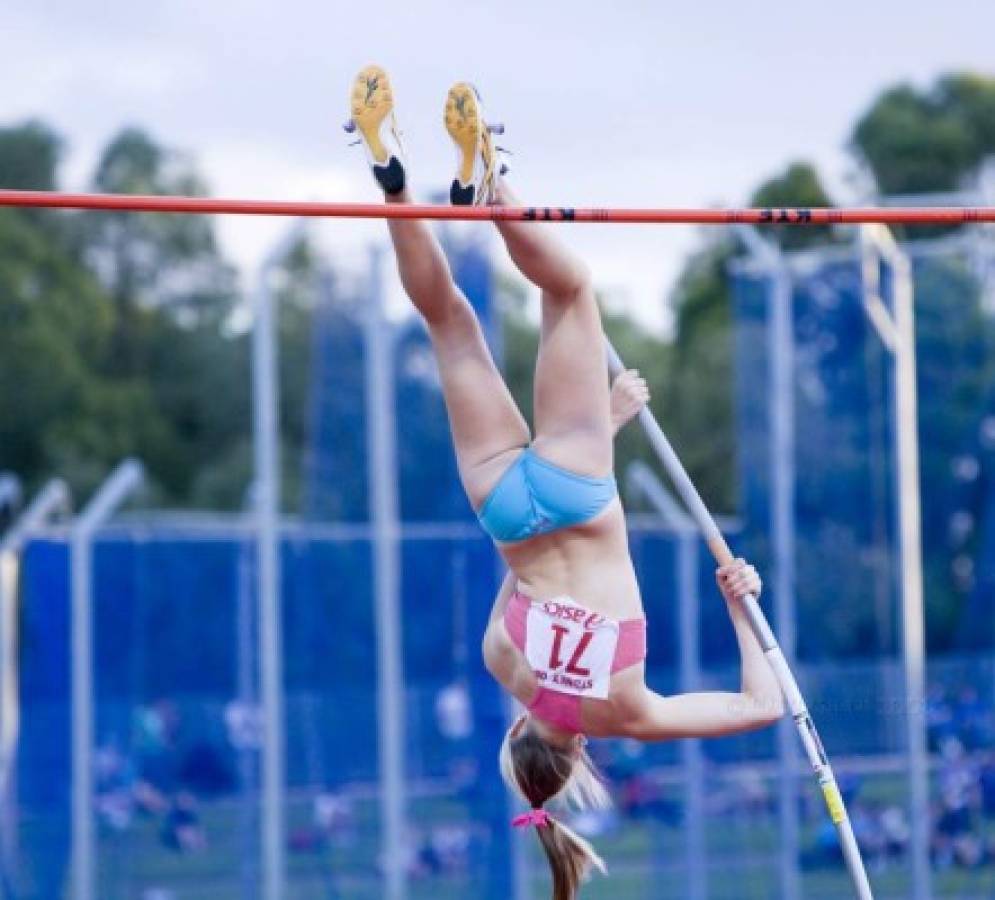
point(538, 772)
point(571, 858)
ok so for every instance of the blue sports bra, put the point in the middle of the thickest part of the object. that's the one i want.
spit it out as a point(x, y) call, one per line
point(536, 496)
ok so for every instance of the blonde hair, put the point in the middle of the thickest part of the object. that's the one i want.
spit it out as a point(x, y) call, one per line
point(539, 772)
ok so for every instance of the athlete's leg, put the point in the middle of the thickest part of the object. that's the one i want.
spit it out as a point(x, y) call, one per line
point(487, 427)
point(572, 420)
point(572, 416)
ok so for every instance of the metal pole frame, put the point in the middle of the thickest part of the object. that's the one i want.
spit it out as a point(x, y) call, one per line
point(383, 494)
point(120, 484)
point(266, 453)
point(780, 384)
point(246, 681)
point(765, 636)
point(51, 501)
point(896, 328)
point(641, 477)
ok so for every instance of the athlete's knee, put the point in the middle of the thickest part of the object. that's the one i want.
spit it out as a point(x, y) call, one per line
point(454, 326)
point(429, 284)
point(573, 284)
point(448, 310)
point(581, 277)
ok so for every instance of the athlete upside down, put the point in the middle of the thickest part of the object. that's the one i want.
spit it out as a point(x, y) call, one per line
point(567, 635)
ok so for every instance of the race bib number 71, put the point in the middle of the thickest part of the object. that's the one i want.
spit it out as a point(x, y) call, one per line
point(570, 648)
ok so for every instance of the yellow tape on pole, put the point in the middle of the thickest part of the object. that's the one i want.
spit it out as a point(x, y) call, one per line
point(834, 802)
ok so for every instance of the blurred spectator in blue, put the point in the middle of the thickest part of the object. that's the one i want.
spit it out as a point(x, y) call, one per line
point(869, 832)
point(205, 771)
point(895, 825)
point(442, 851)
point(939, 717)
point(957, 837)
point(115, 782)
point(972, 719)
point(156, 727)
point(986, 782)
point(181, 829)
point(826, 849)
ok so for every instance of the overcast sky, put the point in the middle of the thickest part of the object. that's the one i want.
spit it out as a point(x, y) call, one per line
point(649, 104)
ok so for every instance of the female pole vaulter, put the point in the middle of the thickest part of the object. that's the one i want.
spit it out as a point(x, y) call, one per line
point(567, 635)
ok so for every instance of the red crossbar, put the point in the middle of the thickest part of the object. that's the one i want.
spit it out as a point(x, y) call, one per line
point(919, 215)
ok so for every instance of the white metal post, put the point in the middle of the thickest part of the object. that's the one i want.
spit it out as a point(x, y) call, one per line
point(266, 451)
point(246, 680)
point(782, 475)
point(913, 613)
point(382, 469)
point(780, 402)
point(897, 331)
point(50, 502)
point(122, 482)
point(640, 477)
point(521, 879)
point(689, 611)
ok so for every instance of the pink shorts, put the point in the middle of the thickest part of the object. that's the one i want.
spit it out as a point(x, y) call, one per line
point(558, 708)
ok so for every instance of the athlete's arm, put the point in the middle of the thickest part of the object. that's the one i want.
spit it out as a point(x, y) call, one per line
point(736, 581)
point(718, 713)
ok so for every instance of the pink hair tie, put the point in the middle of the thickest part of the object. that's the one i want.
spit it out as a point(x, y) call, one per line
point(537, 817)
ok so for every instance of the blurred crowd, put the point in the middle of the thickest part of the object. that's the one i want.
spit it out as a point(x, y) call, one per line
point(168, 772)
point(961, 732)
point(163, 777)
point(961, 740)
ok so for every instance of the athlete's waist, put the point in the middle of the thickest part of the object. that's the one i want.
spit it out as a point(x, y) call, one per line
point(608, 586)
point(521, 599)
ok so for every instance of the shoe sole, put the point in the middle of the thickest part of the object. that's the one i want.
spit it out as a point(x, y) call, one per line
point(371, 102)
point(463, 122)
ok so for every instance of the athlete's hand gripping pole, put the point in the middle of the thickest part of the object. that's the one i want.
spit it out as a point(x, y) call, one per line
point(763, 633)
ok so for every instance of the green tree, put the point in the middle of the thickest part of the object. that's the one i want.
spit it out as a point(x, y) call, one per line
point(168, 262)
point(29, 158)
point(29, 155)
point(918, 141)
point(173, 296)
point(798, 185)
point(696, 398)
point(58, 414)
point(298, 292)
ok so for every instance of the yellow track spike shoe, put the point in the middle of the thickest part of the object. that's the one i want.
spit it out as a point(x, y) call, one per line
point(371, 105)
point(477, 166)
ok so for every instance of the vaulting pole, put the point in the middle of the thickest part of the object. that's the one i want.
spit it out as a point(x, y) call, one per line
point(763, 633)
point(949, 215)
